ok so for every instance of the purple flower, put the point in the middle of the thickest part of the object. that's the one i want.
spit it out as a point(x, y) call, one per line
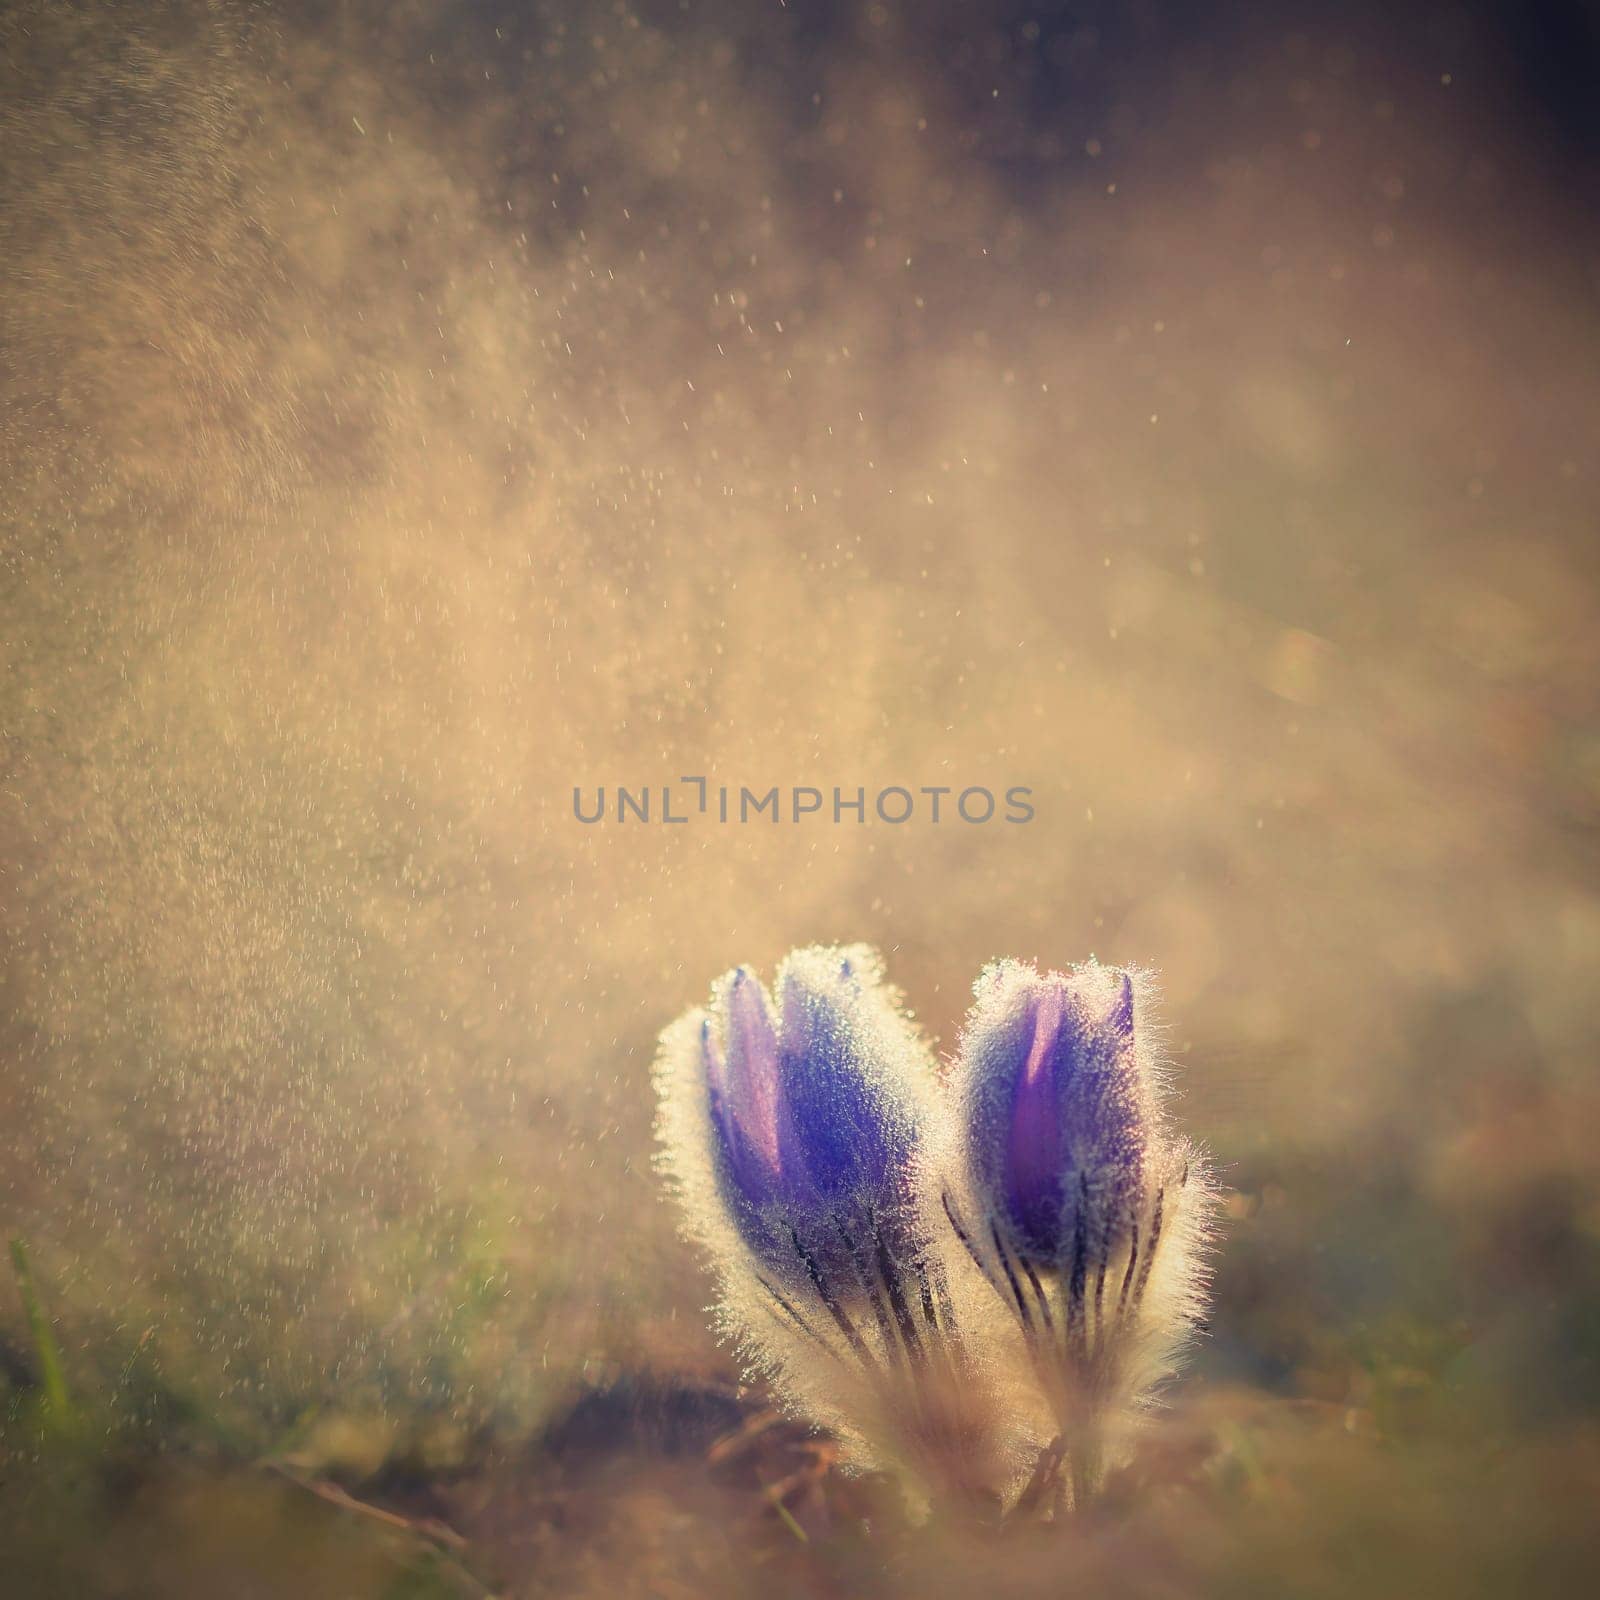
point(814, 1102)
point(1057, 1108)
point(817, 1160)
point(1082, 1209)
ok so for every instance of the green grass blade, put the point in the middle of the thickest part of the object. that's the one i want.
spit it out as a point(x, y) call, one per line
point(52, 1376)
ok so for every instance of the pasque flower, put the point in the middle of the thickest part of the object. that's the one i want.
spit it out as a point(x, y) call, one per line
point(796, 1128)
point(971, 1282)
point(1081, 1206)
point(815, 1110)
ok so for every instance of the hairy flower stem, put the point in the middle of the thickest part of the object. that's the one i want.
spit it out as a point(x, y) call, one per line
point(1085, 1465)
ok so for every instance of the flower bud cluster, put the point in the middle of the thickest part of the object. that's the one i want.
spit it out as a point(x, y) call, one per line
point(975, 1281)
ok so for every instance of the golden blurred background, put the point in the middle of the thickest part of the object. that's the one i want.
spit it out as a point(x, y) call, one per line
point(410, 413)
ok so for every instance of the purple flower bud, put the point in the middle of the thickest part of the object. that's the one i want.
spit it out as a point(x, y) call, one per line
point(815, 1107)
point(1057, 1107)
point(844, 1203)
